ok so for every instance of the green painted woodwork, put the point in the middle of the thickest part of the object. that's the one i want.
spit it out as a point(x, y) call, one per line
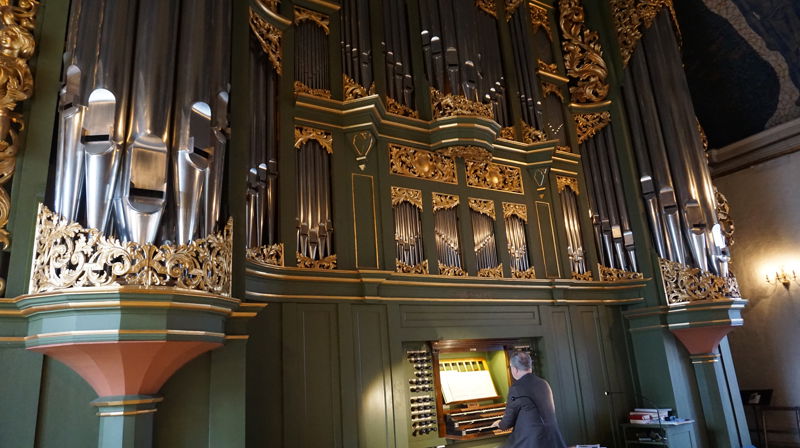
point(127, 425)
point(717, 409)
point(20, 392)
point(186, 405)
point(227, 395)
point(65, 417)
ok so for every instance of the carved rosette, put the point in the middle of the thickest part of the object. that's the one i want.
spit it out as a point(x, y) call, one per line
point(458, 105)
point(303, 14)
point(303, 134)
point(270, 255)
point(583, 55)
point(354, 90)
point(724, 217)
point(495, 272)
point(494, 176)
point(528, 274)
point(512, 209)
point(299, 87)
point(412, 162)
point(451, 271)
point(410, 195)
point(419, 268)
point(269, 37)
point(590, 124)
point(68, 256)
point(586, 276)
point(540, 19)
point(632, 17)
point(483, 206)
point(608, 274)
point(684, 284)
point(442, 201)
point(395, 107)
point(328, 262)
point(563, 182)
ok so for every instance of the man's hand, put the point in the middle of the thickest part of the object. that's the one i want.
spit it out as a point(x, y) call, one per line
point(496, 424)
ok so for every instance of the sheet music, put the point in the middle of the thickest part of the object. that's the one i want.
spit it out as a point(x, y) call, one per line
point(462, 386)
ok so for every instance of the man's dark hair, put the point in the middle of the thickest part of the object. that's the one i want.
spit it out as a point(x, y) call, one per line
point(521, 360)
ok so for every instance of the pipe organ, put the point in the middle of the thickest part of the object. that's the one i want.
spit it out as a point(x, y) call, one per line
point(516, 218)
point(483, 216)
point(447, 237)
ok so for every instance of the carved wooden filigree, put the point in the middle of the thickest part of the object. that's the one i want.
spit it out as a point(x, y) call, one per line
point(410, 195)
point(269, 37)
point(413, 162)
point(272, 5)
point(702, 132)
point(507, 133)
point(583, 56)
point(513, 209)
point(632, 17)
point(271, 255)
point(529, 273)
point(547, 68)
point(303, 14)
point(532, 135)
point(451, 271)
point(395, 107)
point(563, 182)
point(608, 274)
point(328, 262)
point(458, 105)
point(487, 6)
point(354, 90)
point(494, 176)
point(299, 87)
point(303, 134)
point(540, 19)
point(723, 210)
point(495, 272)
point(442, 201)
point(548, 88)
point(511, 8)
point(482, 206)
point(590, 124)
point(471, 153)
point(684, 284)
point(586, 276)
point(67, 256)
point(419, 268)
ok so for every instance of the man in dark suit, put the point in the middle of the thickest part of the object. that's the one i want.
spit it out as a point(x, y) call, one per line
point(530, 409)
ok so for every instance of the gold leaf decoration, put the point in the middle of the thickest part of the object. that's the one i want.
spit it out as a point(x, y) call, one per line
point(513, 209)
point(586, 276)
point(549, 88)
point(68, 256)
point(354, 90)
point(507, 133)
point(442, 201)
point(487, 6)
point(511, 8)
point(590, 124)
point(299, 87)
point(471, 153)
point(272, 5)
point(495, 272)
point(563, 182)
point(494, 176)
point(303, 134)
point(395, 107)
point(548, 68)
point(451, 271)
point(483, 206)
point(608, 274)
point(684, 284)
point(702, 132)
point(328, 262)
point(303, 14)
point(529, 273)
point(270, 255)
point(419, 268)
point(269, 37)
point(412, 162)
point(410, 195)
point(632, 17)
point(531, 135)
point(723, 211)
point(583, 56)
point(563, 148)
point(540, 19)
point(458, 105)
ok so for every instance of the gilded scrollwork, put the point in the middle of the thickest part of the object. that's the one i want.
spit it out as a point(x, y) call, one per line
point(328, 262)
point(354, 90)
point(548, 88)
point(547, 68)
point(563, 182)
point(723, 210)
point(395, 107)
point(529, 273)
point(67, 256)
point(269, 37)
point(494, 176)
point(419, 163)
point(684, 284)
point(511, 8)
point(419, 268)
point(442, 201)
point(513, 209)
point(483, 206)
point(540, 19)
point(470, 153)
point(303, 14)
point(608, 274)
point(583, 55)
point(532, 135)
point(632, 17)
point(702, 133)
point(410, 195)
point(303, 134)
point(507, 133)
point(451, 271)
point(586, 276)
point(272, 5)
point(299, 87)
point(495, 272)
point(487, 6)
point(457, 105)
point(270, 255)
point(590, 124)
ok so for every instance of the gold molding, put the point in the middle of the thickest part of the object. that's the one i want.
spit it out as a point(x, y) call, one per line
point(547, 68)
point(321, 20)
point(482, 206)
point(129, 402)
point(443, 201)
point(513, 209)
point(495, 272)
point(396, 107)
point(299, 87)
point(118, 332)
point(269, 36)
point(125, 413)
point(588, 125)
point(419, 268)
point(494, 176)
point(684, 284)
point(487, 6)
point(114, 304)
point(271, 5)
point(563, 182)
point(511, 8)
point(608, 274)
point(328, 262)
point(470, 153)
point(583, 55)
point(451, 271)
point(269, 255)
point(723, 212)
point(422, 164)
point(450, 105)
point(354, 90)
point(410, 195)
point(586, 276)
point(303, 134)
point(540, 19)
point(528, 274)
point(632, 17)
point(67, 255)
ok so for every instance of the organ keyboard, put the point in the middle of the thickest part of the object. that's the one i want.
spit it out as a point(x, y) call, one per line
point(473, 422)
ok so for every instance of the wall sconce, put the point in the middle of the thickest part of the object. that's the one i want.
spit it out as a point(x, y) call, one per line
point(781, 277)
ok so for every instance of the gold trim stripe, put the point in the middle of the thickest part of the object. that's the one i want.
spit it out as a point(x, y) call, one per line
point(125, 413)
point(126, 304)
point(128, 402)
point(123, 332)
point(445, 299)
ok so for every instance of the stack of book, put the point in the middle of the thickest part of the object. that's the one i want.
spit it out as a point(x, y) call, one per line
point(646, 415)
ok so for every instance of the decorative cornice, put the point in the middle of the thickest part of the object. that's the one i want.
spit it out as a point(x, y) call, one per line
point(442, 201)
point(774, 142)
point(590, 124)
point(272, 5)
point(422, 164)
point(529, 273)
point(354, 90)
point(303, 14)
point(632, 17)
point(470, 153)
point(451, 271)
point(457, 105)
point(269, 37)
point(395, 107)
point(271, 255)
point(328, 262)
point(494, 176)
point(419, 268)
point(532, 135)
point(684, 284)
point(608, 274)
point(299, 87)
point(482, 206)
point(563, 182)
point(495, 272)
point(410, 195)
point(583, 55)
point(513, 209)
point(303, 134)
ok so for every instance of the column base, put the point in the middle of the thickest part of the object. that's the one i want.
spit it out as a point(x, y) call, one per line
point(126, 421)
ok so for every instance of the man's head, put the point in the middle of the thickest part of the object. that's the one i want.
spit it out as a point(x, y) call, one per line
point(521, 364)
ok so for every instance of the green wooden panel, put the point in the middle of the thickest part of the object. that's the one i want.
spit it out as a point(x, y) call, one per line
point(559, 369)
point(21, 372)
point(227, 396)
point(66, 419)
point(546, 241)
point(185, 406)
point(365, 226)
point(264, 379)
point(468, 316)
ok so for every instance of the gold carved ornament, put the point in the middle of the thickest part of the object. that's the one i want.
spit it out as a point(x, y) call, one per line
point(548, 68)
point(532, 135)
point(482, 206)
point(586, 276)
point(270, 39)
point(494, 176)
point(457, 105)
point(303, 134)
point(321, 20)
point(632, 17)
point(528, 274)
point(540, 19)
point(328, 262)
point(563, 182)
point(583, 56)
point(451, 271)
point(608, 274)
point(395, 107)
point(354, 90)
point(270, 255)
point(550, 88)
point(487, 6)
point(299, 87)
point(410, 195)
point(507, 133)
point(272, 5)
point(511, 8)
point(472, 153)
point(512, 209)
point(588, 125)
point(684, 284)
point(419, 268)
point(68, 256)
point(412, 162)
point(723, 210)
point(495, 272)
point(702, 132)
point(442, 201)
